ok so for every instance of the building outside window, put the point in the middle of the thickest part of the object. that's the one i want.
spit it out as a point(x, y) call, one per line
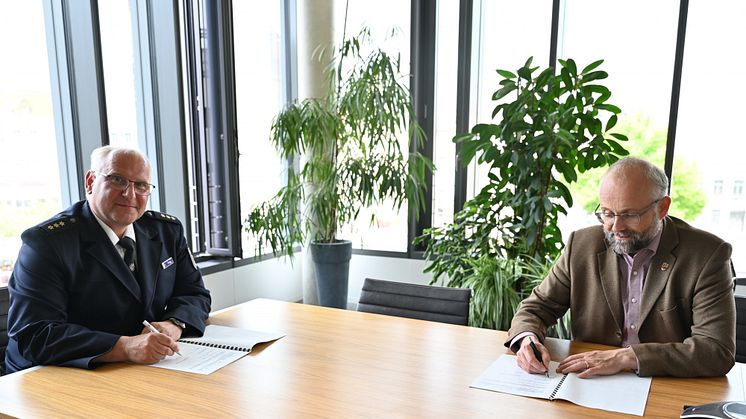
point(738, 189)
point(737, 222)
point(717, 188)
point(716, 216)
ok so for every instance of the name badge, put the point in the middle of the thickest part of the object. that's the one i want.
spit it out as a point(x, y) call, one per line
point(168, 262)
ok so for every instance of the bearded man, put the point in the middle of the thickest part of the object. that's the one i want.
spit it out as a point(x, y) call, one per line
point(648, 283)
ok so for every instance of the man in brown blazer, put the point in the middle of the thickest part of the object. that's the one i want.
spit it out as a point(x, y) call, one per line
point(651, 284)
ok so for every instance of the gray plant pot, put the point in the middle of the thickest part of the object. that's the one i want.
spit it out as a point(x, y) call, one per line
point(331, 263)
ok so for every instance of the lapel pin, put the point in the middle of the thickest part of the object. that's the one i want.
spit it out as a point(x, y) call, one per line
point(664, 266)
point(168, 262)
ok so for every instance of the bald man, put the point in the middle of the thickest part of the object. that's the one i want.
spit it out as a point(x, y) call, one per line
point(650, 284)
point(87, 278)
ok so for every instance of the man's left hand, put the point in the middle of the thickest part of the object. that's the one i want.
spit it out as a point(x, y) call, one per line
point(595, 363)
point(167, 328)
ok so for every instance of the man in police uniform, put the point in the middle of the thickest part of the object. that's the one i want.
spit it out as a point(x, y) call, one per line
point(81, 288)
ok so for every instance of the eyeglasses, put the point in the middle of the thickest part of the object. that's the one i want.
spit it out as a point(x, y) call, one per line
point(121, 183)
point(629, 218)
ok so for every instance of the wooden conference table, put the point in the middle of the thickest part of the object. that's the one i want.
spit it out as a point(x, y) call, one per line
point(332, 363)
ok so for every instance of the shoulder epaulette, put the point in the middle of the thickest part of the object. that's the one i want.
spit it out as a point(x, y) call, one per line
point(59, 224)
point(162, 216)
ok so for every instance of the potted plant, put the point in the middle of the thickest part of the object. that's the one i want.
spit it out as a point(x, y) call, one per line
point(351, 158)
point(551, 127)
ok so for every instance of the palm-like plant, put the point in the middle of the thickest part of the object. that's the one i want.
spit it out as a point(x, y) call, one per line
point(351, 148)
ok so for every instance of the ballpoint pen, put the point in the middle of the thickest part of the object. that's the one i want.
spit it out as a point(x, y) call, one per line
point(154, 330)
point(537, 354)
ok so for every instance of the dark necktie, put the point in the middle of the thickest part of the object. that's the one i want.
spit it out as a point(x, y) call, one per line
point(129, 252)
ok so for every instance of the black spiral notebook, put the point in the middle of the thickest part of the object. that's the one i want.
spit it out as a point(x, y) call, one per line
point(623, 392)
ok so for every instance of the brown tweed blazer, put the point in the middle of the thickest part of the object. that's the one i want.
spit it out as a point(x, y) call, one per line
point(687, 314)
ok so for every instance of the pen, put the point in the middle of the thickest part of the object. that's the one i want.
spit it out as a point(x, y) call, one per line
point(154, 330)
point(537, 354)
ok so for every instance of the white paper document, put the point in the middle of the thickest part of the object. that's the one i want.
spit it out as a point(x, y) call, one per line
point(623, 392)
point(232, 337)
point(200, 359)
point(218, 347)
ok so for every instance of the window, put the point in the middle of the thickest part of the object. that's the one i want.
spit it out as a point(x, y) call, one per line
point(715, 216)
point(260, 88)
point(737, 189)
point(119, 72)
point(446, 66)
point(643, 92)
point(29, 172)
point(210, 95)
point(737, 221)
point(717, 188)
point(498, 47)
point(381, 227)
point(713, 34)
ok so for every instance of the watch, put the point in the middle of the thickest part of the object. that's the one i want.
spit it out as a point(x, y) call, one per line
point(178, 322)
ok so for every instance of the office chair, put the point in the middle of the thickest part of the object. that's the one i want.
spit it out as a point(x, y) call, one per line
point(424, 302)
point(740, 321)
point(4, 304)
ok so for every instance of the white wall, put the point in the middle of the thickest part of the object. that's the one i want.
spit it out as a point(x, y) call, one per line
point(273, 278)
point(278, 279)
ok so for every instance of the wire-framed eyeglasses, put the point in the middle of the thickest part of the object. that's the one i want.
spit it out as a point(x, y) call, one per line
point(629, 218)
point(121, 183)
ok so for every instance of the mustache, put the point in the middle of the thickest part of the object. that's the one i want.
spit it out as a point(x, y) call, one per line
point(635, 240)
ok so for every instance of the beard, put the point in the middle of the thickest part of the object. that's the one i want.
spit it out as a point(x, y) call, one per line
point(636, 241)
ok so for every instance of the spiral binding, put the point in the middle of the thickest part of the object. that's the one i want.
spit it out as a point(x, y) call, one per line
point(556, 389)
point(213, 345)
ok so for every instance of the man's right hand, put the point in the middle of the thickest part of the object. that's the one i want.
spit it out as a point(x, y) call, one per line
point(147, 348)
point(527, 360)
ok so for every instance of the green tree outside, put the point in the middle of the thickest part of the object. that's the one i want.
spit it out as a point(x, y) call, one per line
point(648, 142)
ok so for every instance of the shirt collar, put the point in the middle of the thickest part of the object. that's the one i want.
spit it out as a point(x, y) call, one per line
point(128, 232)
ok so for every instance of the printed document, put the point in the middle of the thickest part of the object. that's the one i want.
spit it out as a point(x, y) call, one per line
point(623, 392)
point(200, 359)
point(218, 347)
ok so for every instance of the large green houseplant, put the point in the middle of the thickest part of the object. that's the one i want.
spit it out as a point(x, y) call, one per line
point(551, 127)
point(351, 157)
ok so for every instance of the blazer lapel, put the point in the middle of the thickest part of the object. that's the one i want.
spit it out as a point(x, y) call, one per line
point(609, 274)
point(660, 269)
point(149, 258)
point(99, 246)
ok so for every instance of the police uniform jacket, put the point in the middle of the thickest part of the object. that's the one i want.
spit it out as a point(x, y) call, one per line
point(72, 296)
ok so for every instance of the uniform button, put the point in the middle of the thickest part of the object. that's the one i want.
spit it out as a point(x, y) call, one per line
point(632, 327)
point(634, 273)
point(634, 300)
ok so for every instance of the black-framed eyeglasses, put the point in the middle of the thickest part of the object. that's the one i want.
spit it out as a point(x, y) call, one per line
point(121, 183)
point(629, 218)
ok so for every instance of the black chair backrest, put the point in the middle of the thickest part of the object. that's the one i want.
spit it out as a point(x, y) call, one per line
point(740, 320)
point(4, 303)
point(424, 302)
